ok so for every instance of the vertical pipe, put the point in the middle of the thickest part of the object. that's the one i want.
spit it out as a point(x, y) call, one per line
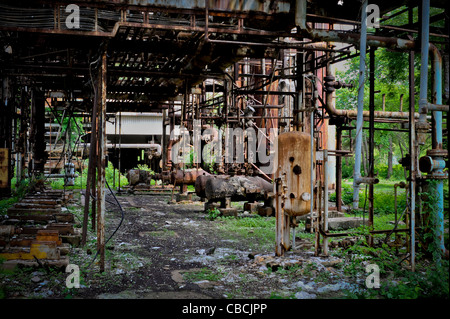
point(319, 217)
point(437, 99)
point(184, 105)
point(359, 118)
point(325, 200)
point(91, 170)
point(279, 249)
point(120, 145)
point(338, 169)
point(424, 47)
point(395, 203)
point(311, 156)
point(163, 141)
point(412, 152)
point(371, 136)
point(206, 20)
point(115, 149)
point(446, 87)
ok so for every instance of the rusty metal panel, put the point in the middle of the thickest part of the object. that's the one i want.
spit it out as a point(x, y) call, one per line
point(4, 168)
point(265, 6)
point(294, 169)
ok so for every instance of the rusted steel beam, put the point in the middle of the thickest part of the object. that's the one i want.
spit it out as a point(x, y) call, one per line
point(282, 223)
point(101, 178)
point(91, 167)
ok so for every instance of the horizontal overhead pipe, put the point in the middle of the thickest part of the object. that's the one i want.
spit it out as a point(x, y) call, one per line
point(354, 38)
point(61, 175)
point(132, 145)
point(424, 106)
point(331, 110)
point(437, 107)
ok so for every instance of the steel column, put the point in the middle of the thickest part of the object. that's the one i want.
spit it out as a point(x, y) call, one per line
point(101, 178)
point(412, 152)
point(325, 201)
point(91, 166)
point(360, 107)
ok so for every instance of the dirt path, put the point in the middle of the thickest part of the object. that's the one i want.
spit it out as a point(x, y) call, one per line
point(172, 251)
point(169, 251)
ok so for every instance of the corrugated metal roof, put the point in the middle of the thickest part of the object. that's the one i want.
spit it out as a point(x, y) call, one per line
point(137, 124)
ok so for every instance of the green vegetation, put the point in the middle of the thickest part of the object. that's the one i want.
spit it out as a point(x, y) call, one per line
point(260, 231)
point(396, 281)
point(112, 177)
point(213, 213)
point(432, 272)
point(202, 274)
point(384, 200)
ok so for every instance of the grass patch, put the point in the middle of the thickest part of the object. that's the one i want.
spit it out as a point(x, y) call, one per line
point(258, 231)
point(384, 201)
point(202, 274)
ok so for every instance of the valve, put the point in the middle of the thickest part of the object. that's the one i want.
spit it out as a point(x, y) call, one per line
point(331, 84)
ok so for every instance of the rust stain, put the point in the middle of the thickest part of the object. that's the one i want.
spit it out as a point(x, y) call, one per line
point(294, 163)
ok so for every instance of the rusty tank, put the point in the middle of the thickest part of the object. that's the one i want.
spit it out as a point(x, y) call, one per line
point(294, 172)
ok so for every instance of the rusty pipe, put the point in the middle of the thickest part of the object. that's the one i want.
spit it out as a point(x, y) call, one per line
point(354, 38)
point(379, 115)
point(375, 41)
point(187, 177)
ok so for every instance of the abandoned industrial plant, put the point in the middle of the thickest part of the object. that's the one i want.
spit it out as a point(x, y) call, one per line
point(224, 150)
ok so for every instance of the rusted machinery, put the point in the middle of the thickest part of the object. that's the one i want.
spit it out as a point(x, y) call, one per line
point(186, 177)
point(138, 176)
point(224, 189)
point(140, 181)
point(200, 184)
point(293, 180)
